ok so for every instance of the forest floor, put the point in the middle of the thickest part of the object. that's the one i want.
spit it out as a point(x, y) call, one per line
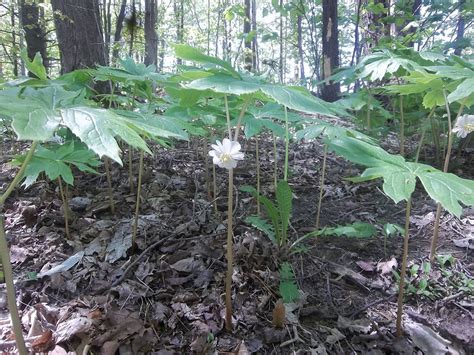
point(171, 300)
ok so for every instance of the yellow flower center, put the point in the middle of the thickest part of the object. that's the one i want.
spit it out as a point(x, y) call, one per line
point(225, 158)
point(468, 127)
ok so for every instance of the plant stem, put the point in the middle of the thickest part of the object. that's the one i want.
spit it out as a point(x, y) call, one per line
point(5, 257)
point(434, 239)
point(239, 120)
point(257, 158)
point(206, 167)
point(109, 183)
point(230, 255)
point(227, 116)
point(402, 128)
point(137, 204)
point(214, 188)
point(130, 169)
point(275, 162)
point(65, 208)
point(11, 295)
point(287, 143)
point(423, 131)
point(401, 285)
point(369, 108)
point(435, 134)
point(321, 186)
point(19, 175)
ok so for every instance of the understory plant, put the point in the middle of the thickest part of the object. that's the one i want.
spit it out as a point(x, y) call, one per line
point(278, 212)
point(399, 178)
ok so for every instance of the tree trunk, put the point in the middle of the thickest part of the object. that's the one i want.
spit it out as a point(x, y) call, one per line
point(79, 34)
point(132, 26)
point(299, 40)
point(281, 62)
point(255, 65)
point(151, 39)
point(107, 19)
point(460, 29)
point(34, 32)
point(247, 41)
point(14, 55)
point(378, 22)
point(179, 17)
point(356, 51)
point(330, 90)
point(118, 30)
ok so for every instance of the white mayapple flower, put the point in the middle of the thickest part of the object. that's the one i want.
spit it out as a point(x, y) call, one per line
point(464, 125)
point(226, 154)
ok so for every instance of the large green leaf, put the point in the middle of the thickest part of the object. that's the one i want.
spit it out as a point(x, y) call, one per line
point(56, 162)
point(154, 125)
point(400, 176)
point(34, 112)
point(287, 96)
point(35, 66)
point(186, 52)
point(98, 128)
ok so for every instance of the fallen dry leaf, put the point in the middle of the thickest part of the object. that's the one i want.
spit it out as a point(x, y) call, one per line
point(368, 266)
point(386, 267)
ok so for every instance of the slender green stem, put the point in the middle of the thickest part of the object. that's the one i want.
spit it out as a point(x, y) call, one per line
point(239, 120)
point(435, 135)
point(434, 239)
point(130, 169)
point(257, 158)
point(214, 188)
point(11, 295)
point(227, 115)
point(321, 185)
point(5, 257)
point(230, 255)
point(423, 131)
point(109, 183)
point(403, 272)
point(19, 174)
point(287, 143)
point(275, 162)
point(65, 208)
point(402, 128)
point(369, 110)
point(206, 167)
point(137, 204)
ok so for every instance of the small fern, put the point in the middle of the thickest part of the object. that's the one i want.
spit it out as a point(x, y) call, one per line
point(279, 213)
point(288, 288)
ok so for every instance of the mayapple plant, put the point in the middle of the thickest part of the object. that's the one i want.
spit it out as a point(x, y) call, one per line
point(226, 155)
point(400, 179)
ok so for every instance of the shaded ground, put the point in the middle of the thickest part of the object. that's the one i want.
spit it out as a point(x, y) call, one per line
point(171, 299)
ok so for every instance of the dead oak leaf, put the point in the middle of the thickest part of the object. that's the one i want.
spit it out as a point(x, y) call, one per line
point(386, 267)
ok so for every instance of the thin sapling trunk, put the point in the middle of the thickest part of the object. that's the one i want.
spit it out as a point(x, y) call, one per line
point(5, 258)
point(66, 210)
point(109, 184)
point(401, 286)
point(137, 204)
point(321, 186)
point(434, 239)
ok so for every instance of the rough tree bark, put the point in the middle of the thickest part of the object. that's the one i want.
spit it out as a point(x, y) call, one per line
point(247, 42)
point(299, 40)
point(330, 90)
point(460, 29)
point(34, 31)
point(79, 34)
point(179, 16)
point(118, 30)
point(151, 38)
